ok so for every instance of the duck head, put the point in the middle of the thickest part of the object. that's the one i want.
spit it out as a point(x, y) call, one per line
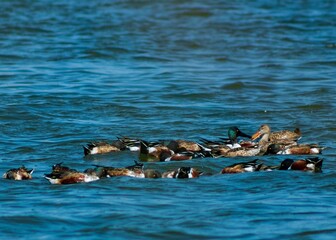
point(234, 133)
point(263, 132)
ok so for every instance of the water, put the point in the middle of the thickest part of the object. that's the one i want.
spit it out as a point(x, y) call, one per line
point(73, 72)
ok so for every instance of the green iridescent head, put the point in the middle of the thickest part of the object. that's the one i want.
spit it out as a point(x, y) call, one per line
point(234, 133)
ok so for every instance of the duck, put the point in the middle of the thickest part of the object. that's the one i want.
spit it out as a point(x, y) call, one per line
point(70, 178)
point(152, 152)
point(181, 156)
point(180, 145)
point(308, 164)
point(230, 142)
point(64, 175)
point(21, 173)
point(299, 149)
point(131, 144)
point(103, 147)
point(135, 170)
point(283, 136)
point(251, 166)
point(60, 168)
point(243, 152)
point(182, 172)
point(229, 147)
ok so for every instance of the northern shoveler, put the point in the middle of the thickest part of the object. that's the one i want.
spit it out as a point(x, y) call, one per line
point(70, 178)
point(153, 152)
point(21, 173)
point(64, 175)
point(300, 149)
point(182, 172)
point(242, 167)
point(230, 142)
point(104, 147)
point(182, 156)
point(178, 146)
point(282, 136)
point(308, 164)
point(135, 170)
point(243, 152)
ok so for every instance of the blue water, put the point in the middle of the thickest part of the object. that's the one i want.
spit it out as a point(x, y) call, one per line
point(77, 71)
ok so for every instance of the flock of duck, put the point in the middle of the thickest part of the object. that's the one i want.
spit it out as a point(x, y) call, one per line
point(281, 142)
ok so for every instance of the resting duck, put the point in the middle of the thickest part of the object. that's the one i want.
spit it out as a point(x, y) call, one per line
point(242, 167)
point(104, 147)
point(21, 173)
point(300, 149)
point(182, 172)
point(308, 164)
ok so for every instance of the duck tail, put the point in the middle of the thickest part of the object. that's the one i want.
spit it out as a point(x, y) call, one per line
point(51, 180)
point(318, 165)
point(143, 147)
point(87, 151)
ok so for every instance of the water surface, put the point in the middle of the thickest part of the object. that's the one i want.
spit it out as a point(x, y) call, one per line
point(73, 72)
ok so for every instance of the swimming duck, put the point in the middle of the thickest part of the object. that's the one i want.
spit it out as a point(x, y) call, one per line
point(231, 142)
point(182, 172)
point(103, 147)
point(59, 168)
point(182, 156)
point(242, 167)
point(178, 146)
point(21, 173)
point(308, 164)
point(98, 171)
point(153, 152)
point(64, 175)
point(135, 170)
point(282, 136)
point(243, 152)
point(300, 149)
point(70, 177)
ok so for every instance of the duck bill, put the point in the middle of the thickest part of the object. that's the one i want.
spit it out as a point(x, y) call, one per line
point(241, 134)
point(256, 135)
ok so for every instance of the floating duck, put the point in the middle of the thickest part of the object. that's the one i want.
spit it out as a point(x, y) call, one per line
point(300, 149)
point(70, 178)
point(182, 172)
point(135, 170)
point(182, 156)
point(178, 146)
point(104, 147)
point(21, 173)
point(64, 175)
point(308, 164)
point(153, 152)
point(282, 136)
point(251, 166)
point(229, 147)
point(231, 142)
